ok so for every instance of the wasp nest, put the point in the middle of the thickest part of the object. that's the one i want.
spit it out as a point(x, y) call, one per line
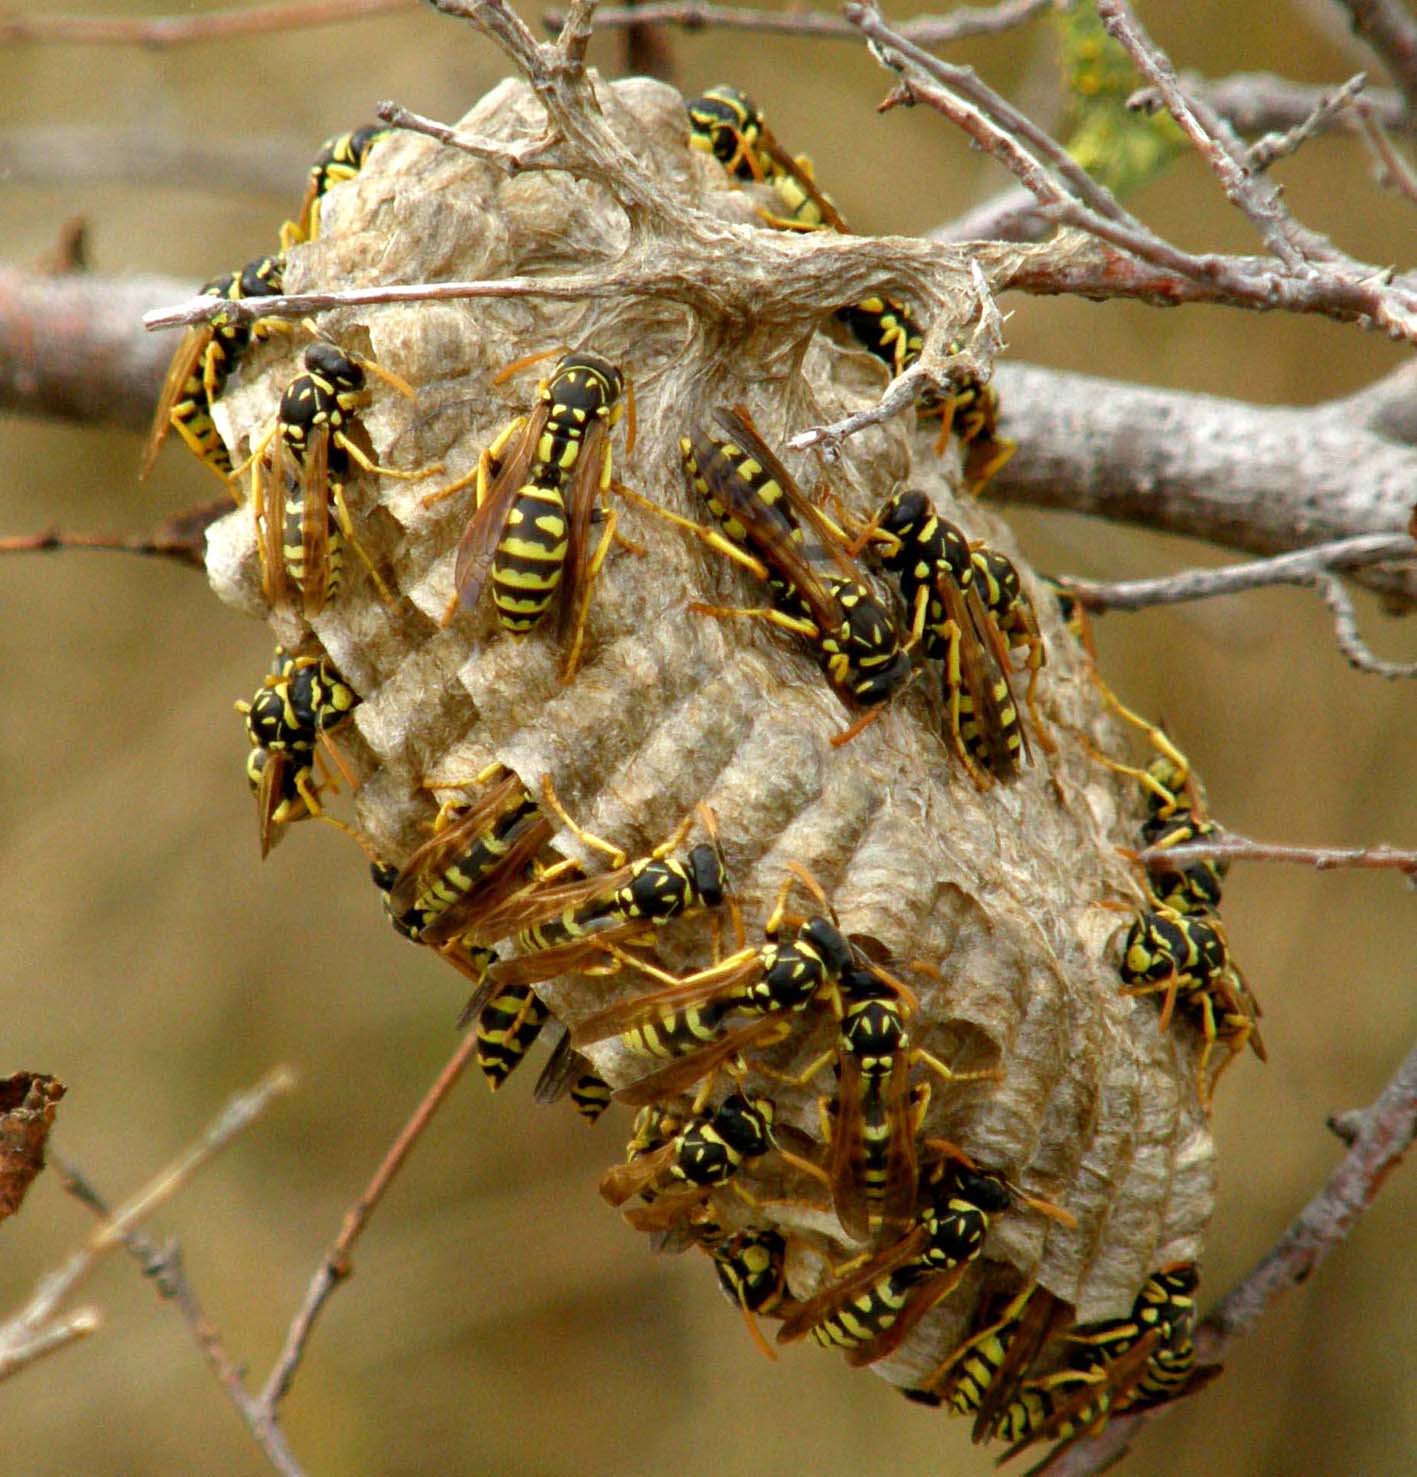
point(1013, 895)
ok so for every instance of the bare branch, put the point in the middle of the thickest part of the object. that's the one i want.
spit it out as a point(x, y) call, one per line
point(1260, 102)
point(1262, 479)
point(926, 30)
point(1383, 1134)
point(181, 538)
point(1388, 28)
point(336, 1264)
point(1265, 151)
point(18, 1353)
point(1393, 171)
point(1299, 568)
point(163, 1266)
point(1321, 858)
point(1345, 629)
point(22, 1329)
point(180, 30)
point(1213, 138)
point(67, 346)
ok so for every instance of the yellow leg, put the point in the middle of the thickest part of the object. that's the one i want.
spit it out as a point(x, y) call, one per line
point(778, 618)
point(947, 1074)
point(375, 469)
point(510, 371)
point(710, 536)
point(573, 654)
point(552, 802)
point(346, 524)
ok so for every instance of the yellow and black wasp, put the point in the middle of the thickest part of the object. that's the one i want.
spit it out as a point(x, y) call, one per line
point(935, 570)
point(476, 857)
point(508, 1023)
point(202, 364)
point(564, 926)
point(983, 1375)
point(300, 702)
point(1123, 1364)
point(819, 594)
point(752, 1271)
point(875, 1116)
point(339, 160)
point(686, 1026)
point(705, 1153)
point(538, 487)
point(869, 1312)
point(727, 123)
point(568, 1073)
point(299, 502)
point(1186, 959)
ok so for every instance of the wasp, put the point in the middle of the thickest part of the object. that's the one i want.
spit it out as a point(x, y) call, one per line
point(686, 1025)
point(1191, 887)
point(870, 1312)
point(876, 1114)
point(538, 488)
point(1124, 1364)
point(934, 567)
point(819, 593)
point(567, 1072)
point(1013, 614)
point(727, 123)
point(202, 364)
point(477, 855)
point(751, 1268)
point(707, 1152)
point(982, 1376)
point(300, 505)
point(339, 160)
point(560, 926)
point(302, 700)
point(507, 1027)
point(1187, 959)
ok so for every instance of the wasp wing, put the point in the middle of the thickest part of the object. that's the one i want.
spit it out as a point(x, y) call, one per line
point(478, 544)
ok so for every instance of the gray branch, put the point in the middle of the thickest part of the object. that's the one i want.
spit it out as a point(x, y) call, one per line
point(1261, 479)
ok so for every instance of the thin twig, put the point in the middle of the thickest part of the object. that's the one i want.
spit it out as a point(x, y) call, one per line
point(1298, 568)
point(181, 539)
point(1213, 138)
point(1345, 631)
point(1393, 172)
point(926, 30)
point(1321, 858)
point(1383, 1133)
point(336, 1265)
point(164, 1266)
point(1272, 146)
point(238, 1114)
point(18, 1353)
point(179, 30)
point(1390, 30)
point(1260, 102)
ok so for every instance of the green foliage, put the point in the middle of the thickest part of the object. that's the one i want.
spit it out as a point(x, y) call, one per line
point(1121, 148)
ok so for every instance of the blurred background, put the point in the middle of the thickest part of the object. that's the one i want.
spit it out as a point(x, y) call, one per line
point(501, 1318)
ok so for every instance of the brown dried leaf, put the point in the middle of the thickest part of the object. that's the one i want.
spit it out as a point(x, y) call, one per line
point(27, 1103)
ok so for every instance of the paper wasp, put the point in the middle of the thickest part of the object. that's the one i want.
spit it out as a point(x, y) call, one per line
point(508, 1024)
point(875, 1116)
point(727, 123)
point(1186, 959)
point(340, 159)
point(302, 700)
point(538, 488)
point(982, 1376)
point(705, 1153)
point(751, 1268)
point(686, 1025)
point(565, 926)
point(567, 1072)
point(202, 363)
point(1124, 1364)
point(771, 528)
point(935, 569)
point(1013, 614)
point(477, 855)
point(869, 1312)
point(299, 503)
